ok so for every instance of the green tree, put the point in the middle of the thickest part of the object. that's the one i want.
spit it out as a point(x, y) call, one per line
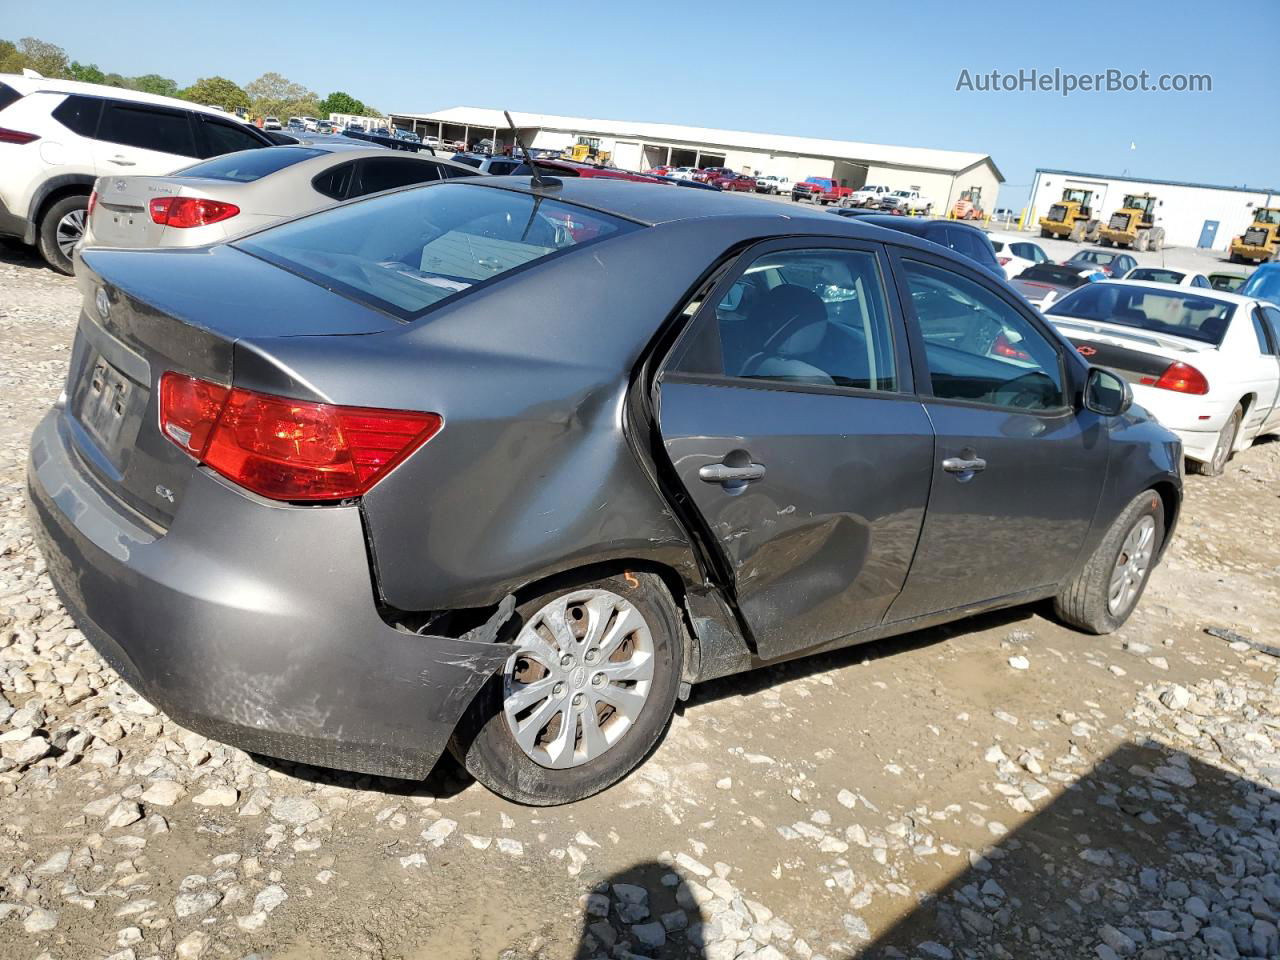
point(87, 72)
point(44, 58)
point(273, 95)
point(10, 59)
point(154, 83)
point(218, 91)
point(116, 80)
point(339, 102)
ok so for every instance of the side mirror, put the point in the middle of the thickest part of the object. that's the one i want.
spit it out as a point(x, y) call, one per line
point(1106, 393)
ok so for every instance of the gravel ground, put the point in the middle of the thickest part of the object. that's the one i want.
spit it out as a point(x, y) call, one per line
point(1001, 787)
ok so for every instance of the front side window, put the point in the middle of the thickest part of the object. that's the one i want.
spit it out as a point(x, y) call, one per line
point(814, 317)
point(148, 128)
point(405, 252)
point(978, 347)
point(1175, 313)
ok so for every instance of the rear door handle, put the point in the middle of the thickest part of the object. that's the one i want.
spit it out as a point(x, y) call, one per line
point(964, 465)
point(120, 161)
point(724, 474)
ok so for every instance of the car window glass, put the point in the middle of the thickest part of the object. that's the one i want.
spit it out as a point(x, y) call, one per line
point(79, 115)
point(978, 347)
point(165, 131)
point(246, 166)
point(221, 137)
point(335, 181)
point(1171, 311)
point(1273, 322)
point(386, 173)
point(1265, 345)
point(802, 317)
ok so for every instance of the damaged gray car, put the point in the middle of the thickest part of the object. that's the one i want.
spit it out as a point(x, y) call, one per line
point(507, 466)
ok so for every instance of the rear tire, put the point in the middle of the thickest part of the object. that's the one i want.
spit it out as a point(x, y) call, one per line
point(1217, 466)
point(1100, 598)
point(543, 767)
point(60, 229)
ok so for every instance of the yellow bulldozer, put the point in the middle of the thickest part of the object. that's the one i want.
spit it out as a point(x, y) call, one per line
point(1134, 225)
point(1071, 218)
point(587, 150)
point(1261, 241)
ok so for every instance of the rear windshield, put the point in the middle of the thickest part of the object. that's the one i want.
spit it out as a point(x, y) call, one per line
point(247, 166)
point(1053, 273)
point(407, 251)
point(1174, 314)
point(1156, 275)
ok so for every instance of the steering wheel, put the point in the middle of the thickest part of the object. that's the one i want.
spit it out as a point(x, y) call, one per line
point(1027, 392)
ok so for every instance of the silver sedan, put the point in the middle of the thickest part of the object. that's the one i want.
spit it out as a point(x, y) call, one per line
point(232, 194)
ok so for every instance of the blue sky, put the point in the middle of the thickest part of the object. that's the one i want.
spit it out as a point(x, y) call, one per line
point(774, 67)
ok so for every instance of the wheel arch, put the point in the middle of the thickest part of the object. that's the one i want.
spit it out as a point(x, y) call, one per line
point(50, 192)
point(1171, 499)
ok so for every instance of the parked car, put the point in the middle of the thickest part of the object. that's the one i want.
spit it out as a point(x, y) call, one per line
point(1110, 262)
point(572, 168)
point(821, 190)
point(869, 195)
point(683, 173)
point(1177, 278)
point(238, 192)
point(906, 201)
point(1014, 252)
point(1227, 282)
point(310, 124)
point(58, 136)
point(326, 127)
point(1205, 363)
point(1044, 283)
point(271, 123)
point(773, 183)
point(659, 171)
point(499, 166)
point(245, 430)
point(1263, 283)
point(407, 135)
point(734, 182)
point(431, 141)
point(965, 239)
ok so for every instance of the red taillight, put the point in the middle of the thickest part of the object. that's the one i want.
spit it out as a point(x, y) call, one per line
point(289, 449)
point(190, 211)
point(17, 136)
point(1003, 348)
point(93, 202)
point(1181, 378)
point(1003, 261)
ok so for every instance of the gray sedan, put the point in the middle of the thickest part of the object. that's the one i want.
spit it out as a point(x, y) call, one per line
point(509, 465)
point(238, 192)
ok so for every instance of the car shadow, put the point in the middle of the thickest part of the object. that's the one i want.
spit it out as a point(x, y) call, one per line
point(20, 255)
point(1122, 857)
point(447, 778)
point(645, 910)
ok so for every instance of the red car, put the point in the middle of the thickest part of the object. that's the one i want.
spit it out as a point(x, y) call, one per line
point(658, 172)
point(570, 168)
point(734, 181)
point(707, 174)
point(821, 190)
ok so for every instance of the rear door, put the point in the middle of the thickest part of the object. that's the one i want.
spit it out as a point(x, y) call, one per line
point(1271, 316)
point(143, 139)
point(787, 412)
point(1018, 470)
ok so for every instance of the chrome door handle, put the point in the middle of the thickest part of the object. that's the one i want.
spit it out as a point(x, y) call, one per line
point(726, 475)
point(964, 464)
point(122, 162)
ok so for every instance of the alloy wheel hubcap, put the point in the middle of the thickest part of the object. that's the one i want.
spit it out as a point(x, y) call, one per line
point(579, 678)
point(1225, 441)
point(1131, 566)
point(70, 230)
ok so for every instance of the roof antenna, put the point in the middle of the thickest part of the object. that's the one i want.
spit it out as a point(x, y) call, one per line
point(537, 180)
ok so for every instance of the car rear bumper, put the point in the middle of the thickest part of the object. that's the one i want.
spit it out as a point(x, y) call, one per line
point(1196, 422)
point(249, 622)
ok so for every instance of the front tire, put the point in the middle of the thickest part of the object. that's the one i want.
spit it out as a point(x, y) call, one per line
point(1100, 598)
point(585, 697)
point(1217, 465)
point(61, 228)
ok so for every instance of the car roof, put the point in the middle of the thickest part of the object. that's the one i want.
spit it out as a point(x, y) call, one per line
point(1010, 237)
point(28, 85)
point(1207, 293)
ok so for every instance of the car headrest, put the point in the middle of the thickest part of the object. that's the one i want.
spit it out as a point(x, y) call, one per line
point(784, 306)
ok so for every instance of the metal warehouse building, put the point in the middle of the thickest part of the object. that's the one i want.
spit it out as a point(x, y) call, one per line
point(1192, 214)
point(939, 175)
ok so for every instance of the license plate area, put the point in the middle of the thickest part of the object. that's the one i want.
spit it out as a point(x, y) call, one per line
point(104, 405)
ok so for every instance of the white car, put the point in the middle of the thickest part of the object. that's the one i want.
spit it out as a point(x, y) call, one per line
point(433, 142)
point(908, 201)
point(271, 123)
point(1205, 363)
point(1015, 252)
point(683, 173)
point(773, 184)
point(58, 136)
point(1178, 278)
point(868, 196)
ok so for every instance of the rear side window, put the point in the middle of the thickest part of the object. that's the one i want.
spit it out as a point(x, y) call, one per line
point(219, 137)
point(406, 252)
point(8, 95)
point(387, 173)
point(249, 165)
point(148, 128)
point(79, 115)
point(336, 181)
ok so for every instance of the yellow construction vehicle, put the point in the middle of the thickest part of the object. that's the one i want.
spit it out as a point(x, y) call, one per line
point(1071, 218)
point(1261, 241)
point(587, 150)
point(1134, 224)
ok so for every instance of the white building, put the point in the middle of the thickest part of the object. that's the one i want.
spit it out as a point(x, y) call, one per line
point(1192, 214)
point(939, 175)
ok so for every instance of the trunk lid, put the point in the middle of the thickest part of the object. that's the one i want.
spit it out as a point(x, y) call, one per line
point(122, 216)
point(148, 312)
point(1134, 354)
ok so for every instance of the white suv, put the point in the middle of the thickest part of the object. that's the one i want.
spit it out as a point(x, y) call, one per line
point(57, 137)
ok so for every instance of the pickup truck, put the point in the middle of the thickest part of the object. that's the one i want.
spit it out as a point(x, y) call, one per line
point(868, 196)
point(906, 201)
point(821, 190)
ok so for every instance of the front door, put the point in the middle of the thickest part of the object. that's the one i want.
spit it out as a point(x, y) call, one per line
point(1018, 468)
point(1207, 233)
point(787, 411)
